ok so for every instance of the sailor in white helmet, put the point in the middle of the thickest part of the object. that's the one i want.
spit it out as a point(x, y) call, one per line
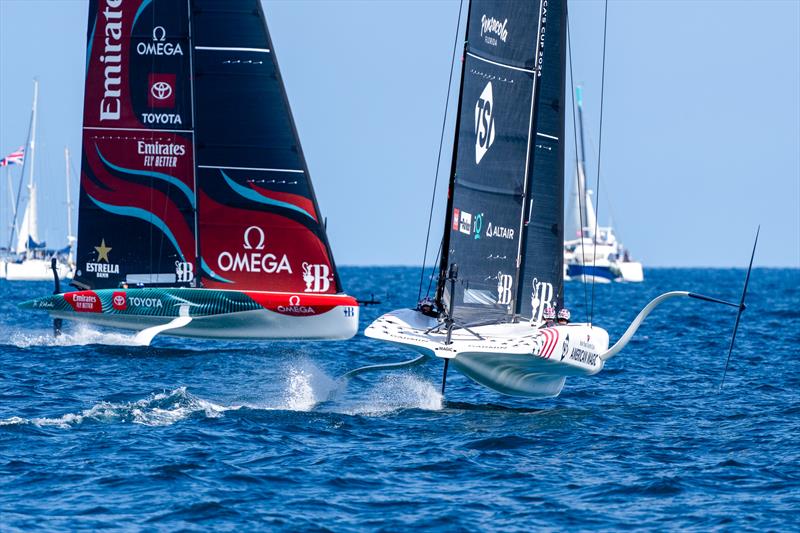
point(549, 317)
point(563, 317)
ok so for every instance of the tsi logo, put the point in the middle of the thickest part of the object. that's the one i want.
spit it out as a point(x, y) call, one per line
point(185, 271)
point(484, 123)
point(541, 297)
point(317, 277)
point(253, 260)
point(504, 283)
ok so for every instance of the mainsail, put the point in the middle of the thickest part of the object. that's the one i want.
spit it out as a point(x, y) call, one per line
point(192, 171)
point(507, 175)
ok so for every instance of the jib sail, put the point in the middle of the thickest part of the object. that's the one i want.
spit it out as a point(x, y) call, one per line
point(489, 181)
point(192, 170)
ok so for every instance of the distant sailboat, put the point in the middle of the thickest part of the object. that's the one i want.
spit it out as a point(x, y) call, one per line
point(197, 216)
point(502, 254)
point(592, 252)
point(33, 259)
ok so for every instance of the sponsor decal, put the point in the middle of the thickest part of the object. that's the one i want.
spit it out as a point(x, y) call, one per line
point(84, 301)
point(484, 123)
point(44, 304)
point(465, 223)
point(160, 155)
point(492, 29)
point(478, 225)
point(184, 271)
point(110, 30)
point(162, 90)
point(102, 268)
point(317, 277)
point(541, 297)
point(119, 301)
point(504, 284)
point(159, 46)
point(349, 311)
point(456, 217)
point(253, 260)
point(584, 356)
point(295, 308)
point(162, 118)
point(500, 232)
point(565, 347)
point(149, 303)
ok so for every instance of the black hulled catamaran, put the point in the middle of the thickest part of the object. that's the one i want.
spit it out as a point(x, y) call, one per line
point(502, 251)
point(197, 214)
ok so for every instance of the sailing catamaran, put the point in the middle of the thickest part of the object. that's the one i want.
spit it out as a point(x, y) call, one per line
point(502, 253)
point(593, 253)
point(32, 261)
point(197, 216)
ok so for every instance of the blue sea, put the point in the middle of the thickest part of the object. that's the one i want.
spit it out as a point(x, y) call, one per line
point(187, 434)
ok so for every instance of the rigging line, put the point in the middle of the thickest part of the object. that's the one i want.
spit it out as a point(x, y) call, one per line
point(433, 267)
point(599, 152)
point(439, 157)
point(580, 193)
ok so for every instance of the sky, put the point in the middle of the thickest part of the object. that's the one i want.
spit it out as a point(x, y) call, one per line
point(700, 138)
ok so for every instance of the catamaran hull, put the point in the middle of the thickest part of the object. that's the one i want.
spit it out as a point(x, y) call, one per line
point(215, 314)
point(516, 359)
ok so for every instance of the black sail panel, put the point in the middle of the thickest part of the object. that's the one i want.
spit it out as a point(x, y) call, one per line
point(542, 273)
point(259, 223)
point(488, 186)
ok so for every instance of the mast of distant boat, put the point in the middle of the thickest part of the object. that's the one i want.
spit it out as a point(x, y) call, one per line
point(70, 235)
point(27, 154)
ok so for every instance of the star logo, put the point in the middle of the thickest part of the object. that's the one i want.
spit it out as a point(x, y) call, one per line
point(102, 251)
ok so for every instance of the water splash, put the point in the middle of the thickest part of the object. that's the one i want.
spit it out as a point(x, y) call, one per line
point(306, 386)
point(399, 391)
point(161, 409)
point(81, 335)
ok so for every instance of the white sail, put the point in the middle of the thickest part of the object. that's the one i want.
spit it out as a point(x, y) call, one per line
point(30, 226)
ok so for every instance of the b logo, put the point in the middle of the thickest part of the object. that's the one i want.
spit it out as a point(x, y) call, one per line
point(484, 123)
point(184, 271)
point(504, 283)
point(541, 297)
point(316, 277)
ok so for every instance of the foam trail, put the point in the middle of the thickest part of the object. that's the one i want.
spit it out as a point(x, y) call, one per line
point(81, 335)
point(399, 391)
point(161, 409)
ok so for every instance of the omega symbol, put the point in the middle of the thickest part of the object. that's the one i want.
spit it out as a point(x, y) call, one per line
point(247, 243)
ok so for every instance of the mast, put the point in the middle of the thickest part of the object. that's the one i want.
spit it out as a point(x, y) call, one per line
point(451, 183)
point(70, 235)
point(31, 131)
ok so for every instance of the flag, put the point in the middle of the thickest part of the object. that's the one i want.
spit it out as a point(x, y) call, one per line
point(14, 158)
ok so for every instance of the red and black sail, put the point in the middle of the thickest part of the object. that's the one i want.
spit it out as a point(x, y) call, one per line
point(192, 170)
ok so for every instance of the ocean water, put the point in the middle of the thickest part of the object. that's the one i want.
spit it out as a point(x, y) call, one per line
point(186, 434)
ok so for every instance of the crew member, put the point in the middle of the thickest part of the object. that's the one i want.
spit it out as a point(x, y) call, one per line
point(563, 317)
point(426, 306)
point(549, 317)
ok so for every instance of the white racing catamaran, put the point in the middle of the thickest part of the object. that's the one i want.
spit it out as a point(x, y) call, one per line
point(502, 252)
point(197, 216)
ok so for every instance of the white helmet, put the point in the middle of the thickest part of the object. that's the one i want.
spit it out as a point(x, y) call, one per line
point(564, 313)
point(549, 313)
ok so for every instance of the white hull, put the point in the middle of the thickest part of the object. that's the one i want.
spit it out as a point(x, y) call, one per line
point(517, 359)
point(631, 271)
point(34, 270)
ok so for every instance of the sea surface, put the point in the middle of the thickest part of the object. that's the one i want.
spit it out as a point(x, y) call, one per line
point(187, 434)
